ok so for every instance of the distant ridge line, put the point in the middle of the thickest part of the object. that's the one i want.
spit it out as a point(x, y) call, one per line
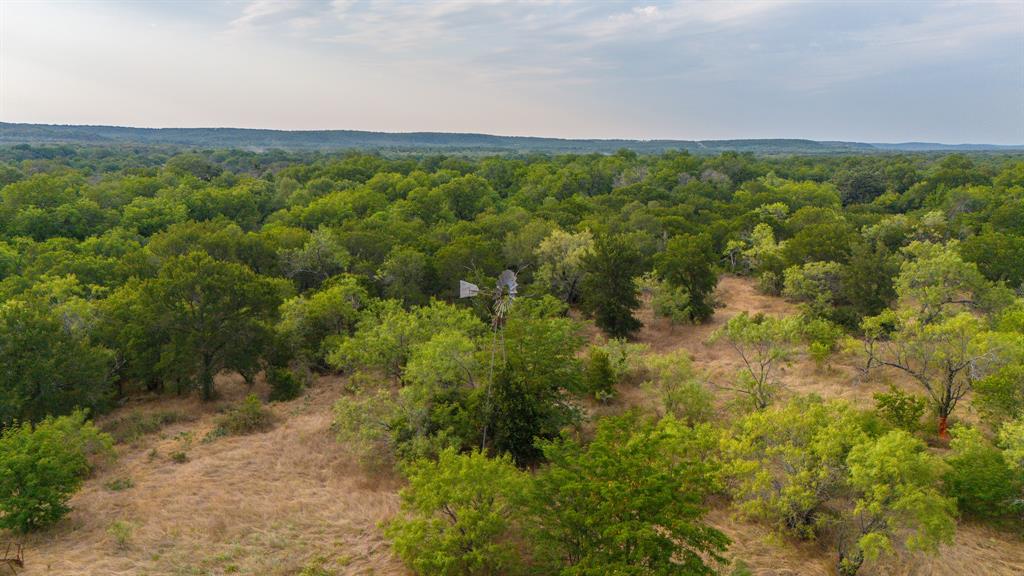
point(327, 140)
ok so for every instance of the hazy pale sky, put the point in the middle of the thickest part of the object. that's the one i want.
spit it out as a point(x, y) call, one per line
point(869, 71)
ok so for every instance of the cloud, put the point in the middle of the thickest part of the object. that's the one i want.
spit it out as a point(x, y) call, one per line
point(652, 68)
point(260, 12)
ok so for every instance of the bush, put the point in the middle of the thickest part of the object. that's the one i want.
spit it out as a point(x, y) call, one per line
point(598, 376)
point(899, 409)
point(630, 502)
point(458, 514)
point(782, 465)
point(979, 477)
point(668, 301)
point(770, 283)
point(364, 423)
point(284, 385)
point(41, 467)
point(626, 359)
point(822, 338)
point(248, 417)
point(677, 389)
point(121, 532)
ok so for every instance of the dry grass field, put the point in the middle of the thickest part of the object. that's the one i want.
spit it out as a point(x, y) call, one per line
point(273, 503)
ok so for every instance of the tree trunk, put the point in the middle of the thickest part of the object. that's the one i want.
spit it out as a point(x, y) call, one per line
point(944, 427)
point(206, 378)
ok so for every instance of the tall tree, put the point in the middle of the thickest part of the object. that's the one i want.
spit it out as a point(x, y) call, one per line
point(50, 363)
point(610, 294)
point(689, 262)
point(212, 316)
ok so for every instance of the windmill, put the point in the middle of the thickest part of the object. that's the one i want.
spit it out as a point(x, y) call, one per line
point(503, 295)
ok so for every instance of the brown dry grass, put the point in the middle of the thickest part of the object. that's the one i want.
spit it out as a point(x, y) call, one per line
point(270, 503)
point(263, 504)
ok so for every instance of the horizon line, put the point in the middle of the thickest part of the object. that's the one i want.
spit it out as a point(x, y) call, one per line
point(600, 139)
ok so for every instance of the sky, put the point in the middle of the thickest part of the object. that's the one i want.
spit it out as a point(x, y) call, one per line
point(892, 71)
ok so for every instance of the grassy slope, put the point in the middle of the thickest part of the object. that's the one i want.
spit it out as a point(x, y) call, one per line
point(271, 503)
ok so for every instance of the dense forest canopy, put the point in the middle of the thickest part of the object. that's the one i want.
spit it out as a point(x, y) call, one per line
point(146, 270)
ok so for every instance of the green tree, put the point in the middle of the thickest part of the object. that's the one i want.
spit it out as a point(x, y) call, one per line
point(598, 376)
point(762, 342)
point(945, 357)
point(867, 281)
point(609, 291)
point(936, 281)
point(386, 334)
point(979, 477)
point(42, 466)
point(321, 257)
point(896, 499)
point(212, 316)
point(405, 275)
point(148, 216)
point(51, 365)
point(816, 284)
point(999, 256)
point(561, 257)
point(630, 502)
point(785, 465)
point(459, 515)
point(689, 263)
point(530, 394)
point(313, 322)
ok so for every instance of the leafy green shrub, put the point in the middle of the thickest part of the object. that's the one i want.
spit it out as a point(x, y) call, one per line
point(41, 467)
point(979, 477)
point(899, 409)
point(781, 465)
point(677, 389)
point(598, 377)
point(625, 358)
point(894, 482)
point(458, 514)
point(822, 338)
point(770, 283)
point(120, 531)
point(248, 417)
point(364, 422)
point(630, 502)
point(668, 301)
point(284, 384)
point(1000, 396)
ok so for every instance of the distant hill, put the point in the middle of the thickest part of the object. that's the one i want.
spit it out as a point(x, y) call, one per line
point(11, 133)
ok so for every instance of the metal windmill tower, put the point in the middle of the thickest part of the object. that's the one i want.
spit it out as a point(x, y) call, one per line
point(503, 295)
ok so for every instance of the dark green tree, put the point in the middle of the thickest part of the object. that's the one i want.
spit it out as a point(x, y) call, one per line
point(609, 292)
point(689, 262)
point(211, 315)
